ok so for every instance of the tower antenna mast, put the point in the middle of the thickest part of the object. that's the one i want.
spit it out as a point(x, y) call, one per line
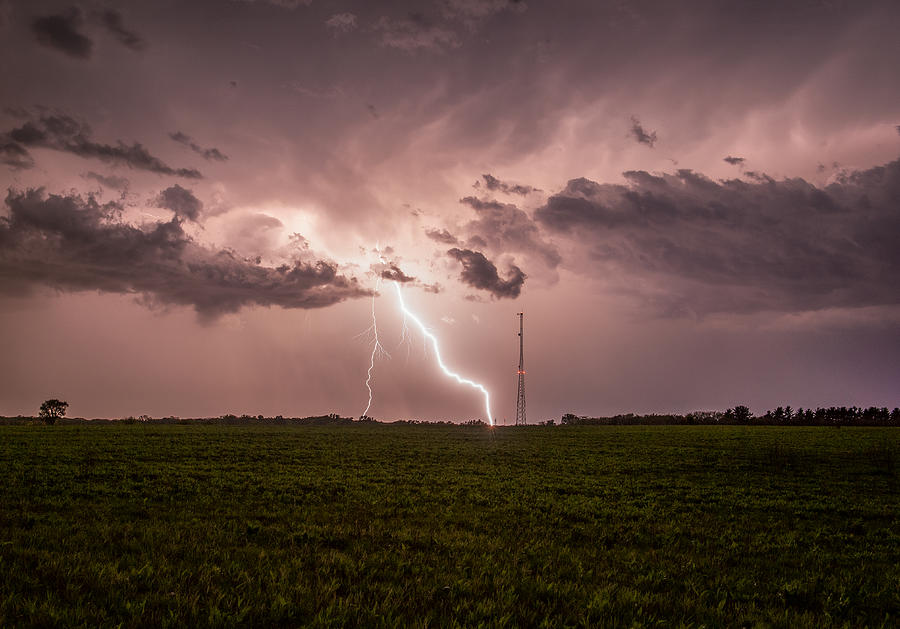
point(520, 398)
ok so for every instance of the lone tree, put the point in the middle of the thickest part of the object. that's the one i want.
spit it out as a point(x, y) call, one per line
point(51, 410)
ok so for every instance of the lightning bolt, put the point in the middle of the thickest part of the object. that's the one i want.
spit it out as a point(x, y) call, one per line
point(376, 349)
point(437, 354)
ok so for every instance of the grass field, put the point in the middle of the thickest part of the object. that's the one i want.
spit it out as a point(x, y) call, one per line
point(379, 525)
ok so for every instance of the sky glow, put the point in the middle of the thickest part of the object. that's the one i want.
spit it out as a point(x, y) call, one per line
point(696, 204)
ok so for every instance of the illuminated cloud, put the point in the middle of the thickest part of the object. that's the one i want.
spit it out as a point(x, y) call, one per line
point(73, 243)
point(503, 227)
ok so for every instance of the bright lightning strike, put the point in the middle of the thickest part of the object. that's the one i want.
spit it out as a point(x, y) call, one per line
point(437, 355)
point(376, 349)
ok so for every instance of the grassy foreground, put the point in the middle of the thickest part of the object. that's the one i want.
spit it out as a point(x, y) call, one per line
point(379, 525)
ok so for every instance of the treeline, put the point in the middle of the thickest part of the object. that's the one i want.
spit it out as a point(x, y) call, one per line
point(332, 419)
point(742, 416)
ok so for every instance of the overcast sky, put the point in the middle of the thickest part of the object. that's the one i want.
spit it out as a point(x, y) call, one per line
point(695, 204)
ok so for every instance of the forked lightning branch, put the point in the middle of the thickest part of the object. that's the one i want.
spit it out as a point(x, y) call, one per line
point(432, 339)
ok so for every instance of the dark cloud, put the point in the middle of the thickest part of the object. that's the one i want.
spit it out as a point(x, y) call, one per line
point(640, 134)
point(741, 246)
point(390, 270)
point(481, 205)
point(734, 161)
point(181, 201)
point(495, 185)
point(110, 181)
point(393, 272)
point(504, 227)
point(112, 20)
point(14, 155)
point(898, 128)
point(442, 236)
point(762, 177)
point(61, 32)
point(479, 272)
point(415, 32)
point(64, 133)
point(188, 141)
point(76, 244)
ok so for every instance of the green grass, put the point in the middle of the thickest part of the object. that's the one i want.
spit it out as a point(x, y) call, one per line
point(375, 525)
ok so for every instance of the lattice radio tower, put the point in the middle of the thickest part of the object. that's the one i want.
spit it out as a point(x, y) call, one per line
point(520, 398)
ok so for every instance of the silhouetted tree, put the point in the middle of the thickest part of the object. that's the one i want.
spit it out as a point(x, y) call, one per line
point(742, 414)
point(53, 409)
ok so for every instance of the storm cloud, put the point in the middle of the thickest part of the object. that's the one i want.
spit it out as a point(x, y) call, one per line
point(641, 135)
point(73, 243)
point(479, 272)
point(741, 246)
point(112, 21)
point(504, 227)
point(394, 273)
point(211, 153)
point(62, 32)
point(61, 132)
point(442, 236)
point(181, 201)
point(110, 181)
point(495, 185)
point(14, 155)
